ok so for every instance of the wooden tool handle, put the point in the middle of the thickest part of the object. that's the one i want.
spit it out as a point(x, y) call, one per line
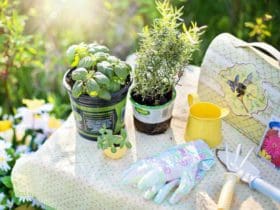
point(227, 191)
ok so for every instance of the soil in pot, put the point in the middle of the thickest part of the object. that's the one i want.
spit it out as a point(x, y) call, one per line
point(152, 128)
point(150, 101)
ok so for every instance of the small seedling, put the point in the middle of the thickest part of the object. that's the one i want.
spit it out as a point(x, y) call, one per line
point(108, 140)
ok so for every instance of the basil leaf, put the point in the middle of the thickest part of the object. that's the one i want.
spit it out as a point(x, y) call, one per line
point(92, 87)
point(77, 89)
point(104, 94)
point(102, 80)
point(121, 70)
point(79, 74)
point(105, 68)
point(86, 62)
point(70, 53)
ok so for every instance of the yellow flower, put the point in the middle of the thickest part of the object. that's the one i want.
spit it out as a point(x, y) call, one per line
point(33, 104)
point(54, 123)
point(6, 131)
point(5, 125)
point(264, 154)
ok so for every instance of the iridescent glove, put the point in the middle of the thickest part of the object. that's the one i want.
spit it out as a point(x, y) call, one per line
point(183, 165)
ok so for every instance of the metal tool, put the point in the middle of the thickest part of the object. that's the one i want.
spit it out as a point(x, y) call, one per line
point(242, 169)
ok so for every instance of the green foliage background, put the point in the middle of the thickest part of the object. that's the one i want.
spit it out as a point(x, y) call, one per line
point(38, 33)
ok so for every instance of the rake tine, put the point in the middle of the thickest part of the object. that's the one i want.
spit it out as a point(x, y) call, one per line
point(246, 157)
point(237, 153)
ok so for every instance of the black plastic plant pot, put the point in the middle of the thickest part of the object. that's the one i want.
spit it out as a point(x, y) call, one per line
point(152, 120)
point(91, 113)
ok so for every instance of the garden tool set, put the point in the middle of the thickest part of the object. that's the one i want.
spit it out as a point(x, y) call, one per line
point(239, 168)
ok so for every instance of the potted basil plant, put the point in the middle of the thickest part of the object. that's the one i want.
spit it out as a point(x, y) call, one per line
point(164, 51)
point(97, 84)
point(113, 146)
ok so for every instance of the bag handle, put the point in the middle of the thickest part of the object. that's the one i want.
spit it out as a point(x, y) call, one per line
point(266, 47)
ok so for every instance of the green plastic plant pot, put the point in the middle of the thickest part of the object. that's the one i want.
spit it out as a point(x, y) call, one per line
point(91, 113)
point(152, 119)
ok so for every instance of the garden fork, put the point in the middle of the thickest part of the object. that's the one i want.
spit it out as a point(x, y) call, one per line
point(242, 169)
point(233, 163)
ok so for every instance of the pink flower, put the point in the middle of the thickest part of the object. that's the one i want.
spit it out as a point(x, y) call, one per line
point(276, 161)
point(271, 145)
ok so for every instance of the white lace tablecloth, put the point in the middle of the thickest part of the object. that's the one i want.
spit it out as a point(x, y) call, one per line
point(68, 172)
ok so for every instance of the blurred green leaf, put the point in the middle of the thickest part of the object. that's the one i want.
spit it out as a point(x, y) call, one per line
point(128, 145)
point(121, 71)
point(106, 68)
point(102, 80)
point(113, 149)
point(104, 94)
point(70, 53)
point(79, 74)
point(6, 180)
point(77, 89)
point(92, 87)
point(86, 62)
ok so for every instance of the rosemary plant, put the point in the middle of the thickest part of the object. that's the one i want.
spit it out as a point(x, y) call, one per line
point(164, 51)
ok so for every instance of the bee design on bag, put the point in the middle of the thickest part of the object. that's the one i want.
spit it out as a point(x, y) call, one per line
point(240, 87)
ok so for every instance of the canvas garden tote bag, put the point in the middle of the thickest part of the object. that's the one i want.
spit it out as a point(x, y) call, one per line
point(245, 77)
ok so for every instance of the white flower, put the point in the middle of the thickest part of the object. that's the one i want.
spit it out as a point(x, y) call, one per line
point(4, 145)
point(10, 204)
point(22, 149)
point(39, 139)
point(2, 196)
point(32, 112)
point(24, 199)
point(36, 116)
point(4, 159)
point(37, 203)
point(34, 202)
point(6, 131)
point(7, 134)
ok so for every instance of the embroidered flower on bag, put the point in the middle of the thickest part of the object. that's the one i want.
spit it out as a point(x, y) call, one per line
point(243, 90)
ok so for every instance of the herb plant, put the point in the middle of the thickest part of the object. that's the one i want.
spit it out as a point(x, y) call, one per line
point(164, 51)
point(96, 73)
point(21, 58)
point(108, 140)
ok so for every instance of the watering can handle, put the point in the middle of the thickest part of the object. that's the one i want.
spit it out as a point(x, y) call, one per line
point(193, 98)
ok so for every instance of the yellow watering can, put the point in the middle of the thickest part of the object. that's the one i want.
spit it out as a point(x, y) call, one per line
point(204, 121)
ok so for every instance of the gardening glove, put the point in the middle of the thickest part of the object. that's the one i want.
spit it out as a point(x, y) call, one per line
point(183, 166)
